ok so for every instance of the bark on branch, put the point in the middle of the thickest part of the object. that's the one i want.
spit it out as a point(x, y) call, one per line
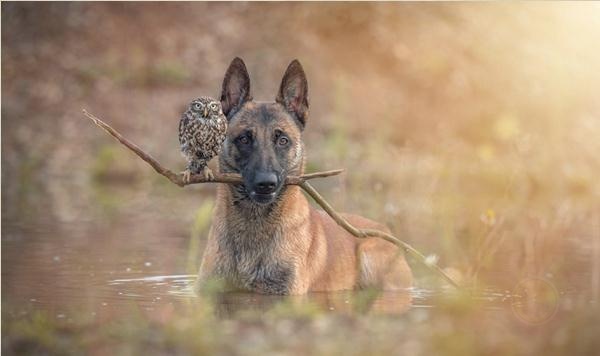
point(301, 181)
point(197, 178)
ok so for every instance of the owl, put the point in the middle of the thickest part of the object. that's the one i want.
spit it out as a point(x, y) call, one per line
point(202, 131)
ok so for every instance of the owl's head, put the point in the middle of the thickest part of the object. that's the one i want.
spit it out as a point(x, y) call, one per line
point(206, 107)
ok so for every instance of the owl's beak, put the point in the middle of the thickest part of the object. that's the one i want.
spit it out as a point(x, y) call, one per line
point(205, 113)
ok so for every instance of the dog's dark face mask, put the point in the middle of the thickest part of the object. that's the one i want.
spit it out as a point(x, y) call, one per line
point(264, 140)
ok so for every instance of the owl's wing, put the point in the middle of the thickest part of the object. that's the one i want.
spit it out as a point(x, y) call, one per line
point(186, 137)
point(183, 122)
point(181, 127)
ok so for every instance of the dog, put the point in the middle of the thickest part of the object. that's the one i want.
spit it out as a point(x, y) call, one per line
point(265, 237)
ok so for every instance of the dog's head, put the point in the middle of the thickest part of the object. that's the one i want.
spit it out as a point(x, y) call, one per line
point(264, 139)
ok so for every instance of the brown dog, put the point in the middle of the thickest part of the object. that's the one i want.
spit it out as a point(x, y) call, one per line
point(265, 237)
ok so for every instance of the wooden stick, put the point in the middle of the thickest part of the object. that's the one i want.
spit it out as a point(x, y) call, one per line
point(301, 181)
point(196, 178)
point(363, 233)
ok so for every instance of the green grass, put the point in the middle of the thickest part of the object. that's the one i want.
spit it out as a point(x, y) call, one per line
point(199, 232)
point(457, 326)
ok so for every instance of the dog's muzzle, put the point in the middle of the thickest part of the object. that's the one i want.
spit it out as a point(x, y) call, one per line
point(264, 187)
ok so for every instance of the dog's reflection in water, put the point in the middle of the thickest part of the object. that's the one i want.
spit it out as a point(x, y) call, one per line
point(231, 304)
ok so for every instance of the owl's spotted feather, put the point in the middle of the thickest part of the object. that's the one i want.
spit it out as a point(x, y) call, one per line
point(202, 131)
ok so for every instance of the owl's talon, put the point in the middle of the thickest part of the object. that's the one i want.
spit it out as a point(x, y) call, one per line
point(208, 174)
point(187, 174)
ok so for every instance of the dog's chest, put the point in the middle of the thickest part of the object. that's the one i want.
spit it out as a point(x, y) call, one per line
point(253, 260)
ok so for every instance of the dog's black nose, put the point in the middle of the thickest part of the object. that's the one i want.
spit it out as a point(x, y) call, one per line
point(265, 183)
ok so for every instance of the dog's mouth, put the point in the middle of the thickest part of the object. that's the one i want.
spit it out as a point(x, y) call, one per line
point(259, 198)
point(263, 188)
point(262, 198)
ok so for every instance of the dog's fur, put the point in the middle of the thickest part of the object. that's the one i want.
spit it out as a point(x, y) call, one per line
point(266, 238)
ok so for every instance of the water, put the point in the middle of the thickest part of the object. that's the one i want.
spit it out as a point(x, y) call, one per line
point(112, 270)
point(103, 264)
point(69, 254)
point(135, 260)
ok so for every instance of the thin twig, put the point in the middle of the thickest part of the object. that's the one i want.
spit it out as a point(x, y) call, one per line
point(197, 178)
point(363, 233)
point(301, 181)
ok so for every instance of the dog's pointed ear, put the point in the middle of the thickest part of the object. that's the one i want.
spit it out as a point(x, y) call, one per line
point(293, 92)
point(236, 87)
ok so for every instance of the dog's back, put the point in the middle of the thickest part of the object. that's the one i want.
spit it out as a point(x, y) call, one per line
point(358, 263)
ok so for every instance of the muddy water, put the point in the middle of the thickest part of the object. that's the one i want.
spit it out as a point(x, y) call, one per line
point(131, 252)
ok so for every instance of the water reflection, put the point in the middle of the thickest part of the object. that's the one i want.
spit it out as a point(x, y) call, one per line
point(233, 303)
point(111, 266)
point(167, 289)
point(135, 258)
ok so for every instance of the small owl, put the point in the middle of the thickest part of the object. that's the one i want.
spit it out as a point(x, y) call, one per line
point(201, 132)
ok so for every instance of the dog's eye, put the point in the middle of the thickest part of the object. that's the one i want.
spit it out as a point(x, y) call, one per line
point(283, 141)
point(244, 140)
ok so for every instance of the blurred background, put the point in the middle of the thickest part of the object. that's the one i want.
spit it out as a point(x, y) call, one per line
point(472, 130)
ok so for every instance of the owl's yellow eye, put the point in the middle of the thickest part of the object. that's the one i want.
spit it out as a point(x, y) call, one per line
point(214, 106)
point(197, 106)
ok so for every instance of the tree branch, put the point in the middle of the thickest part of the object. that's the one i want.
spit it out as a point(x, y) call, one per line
point(196, 178)
point(363, 233)
point(301, 181)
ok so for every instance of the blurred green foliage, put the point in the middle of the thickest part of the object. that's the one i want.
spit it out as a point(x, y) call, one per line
point(460, 327)
point(163, 73)
point(470, 129)
point(200, 227)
